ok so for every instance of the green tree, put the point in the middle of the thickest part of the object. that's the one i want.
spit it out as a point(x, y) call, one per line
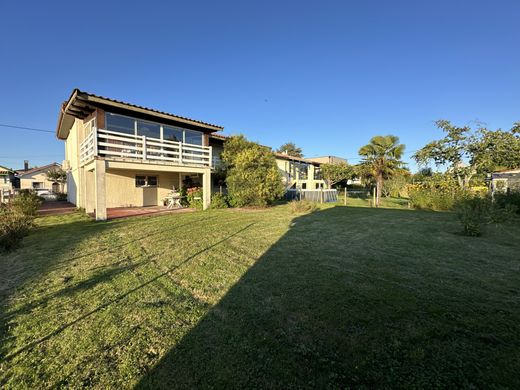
point(252, 177)
point(291, 149)
point(57, 175)
point(334, 173)
point(466, 152)
point(382, 160)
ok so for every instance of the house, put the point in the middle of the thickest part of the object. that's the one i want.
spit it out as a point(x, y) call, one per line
point(328, 160)
point(7, 179)
point(505, 180)
point(119, 154)
point(298, 172)
point(36, 178)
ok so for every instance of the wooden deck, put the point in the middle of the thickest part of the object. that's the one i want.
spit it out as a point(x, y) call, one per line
point(124, 212)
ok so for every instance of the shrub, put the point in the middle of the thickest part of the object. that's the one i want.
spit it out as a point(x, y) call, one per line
point(219, 201)
point(302, 206)
point(61, 196)
point(194, 197)
point(27, 202)
point(438, 192)
point(504, 199)
point(14, 226)
point(475, 213)
point(253, 179)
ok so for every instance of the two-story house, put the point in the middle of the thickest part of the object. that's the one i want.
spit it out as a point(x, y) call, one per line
point(7, 179)
point(119, 154)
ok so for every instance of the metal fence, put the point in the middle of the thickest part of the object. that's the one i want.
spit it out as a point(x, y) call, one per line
point(322, 196)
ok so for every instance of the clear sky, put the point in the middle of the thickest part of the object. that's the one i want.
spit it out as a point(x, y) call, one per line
point(325, 75)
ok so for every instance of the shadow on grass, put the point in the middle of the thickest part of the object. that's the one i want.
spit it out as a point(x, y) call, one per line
point(329, 306)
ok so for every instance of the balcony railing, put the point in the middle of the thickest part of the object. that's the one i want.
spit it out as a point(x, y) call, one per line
point(112, 144)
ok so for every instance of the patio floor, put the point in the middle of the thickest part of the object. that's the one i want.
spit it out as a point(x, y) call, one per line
point(56, 208)
point(123, 212)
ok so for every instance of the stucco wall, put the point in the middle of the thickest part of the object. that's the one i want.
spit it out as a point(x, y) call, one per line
point(122, 192)
point(309, 183)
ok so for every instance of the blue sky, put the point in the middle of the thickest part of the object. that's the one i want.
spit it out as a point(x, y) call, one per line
point(326, 75)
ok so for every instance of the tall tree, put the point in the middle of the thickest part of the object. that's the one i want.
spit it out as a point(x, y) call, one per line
point(334, 173)
point(466, 152)
point(382, 159)
point(290, 149)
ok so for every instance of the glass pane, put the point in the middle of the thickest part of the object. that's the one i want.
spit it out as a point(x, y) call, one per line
point(140, 181)
point(152, 180)
point(120, 123)
point(148, 129)
point(193, 137)
point(172, 134)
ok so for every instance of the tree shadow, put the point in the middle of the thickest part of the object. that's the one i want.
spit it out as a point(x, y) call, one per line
point(385, 310)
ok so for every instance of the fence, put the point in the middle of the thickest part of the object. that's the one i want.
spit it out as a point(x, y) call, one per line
point(322, 196)
point(6, 195)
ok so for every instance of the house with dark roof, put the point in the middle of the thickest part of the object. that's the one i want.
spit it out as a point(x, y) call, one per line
point(36, 178)
point(119, 154)
point(7, 179)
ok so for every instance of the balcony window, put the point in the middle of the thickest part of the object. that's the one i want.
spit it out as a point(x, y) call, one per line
point(120, 123)
point(193, 137)
point(172, 134)
point(148, 129)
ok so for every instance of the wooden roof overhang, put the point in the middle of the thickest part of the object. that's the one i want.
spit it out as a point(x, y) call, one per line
point(82, 104)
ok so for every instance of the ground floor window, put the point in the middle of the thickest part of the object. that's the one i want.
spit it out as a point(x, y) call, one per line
point(37, 185)
point(146, 181)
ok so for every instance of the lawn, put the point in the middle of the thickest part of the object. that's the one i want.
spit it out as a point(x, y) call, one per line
point(342, 297)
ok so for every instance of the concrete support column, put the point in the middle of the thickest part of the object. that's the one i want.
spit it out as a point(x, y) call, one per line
point(206, 189)
point(100, 190)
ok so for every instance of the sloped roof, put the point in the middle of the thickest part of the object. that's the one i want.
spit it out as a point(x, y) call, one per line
point(21, 172)
point(81, 104)
point(5, 170)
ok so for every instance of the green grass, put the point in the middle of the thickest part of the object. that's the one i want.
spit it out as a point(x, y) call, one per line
point(342, 297)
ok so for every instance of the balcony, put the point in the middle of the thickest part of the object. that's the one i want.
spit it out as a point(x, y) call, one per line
point(120, 146)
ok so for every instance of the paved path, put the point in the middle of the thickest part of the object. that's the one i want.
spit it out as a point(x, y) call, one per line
point(56, 208)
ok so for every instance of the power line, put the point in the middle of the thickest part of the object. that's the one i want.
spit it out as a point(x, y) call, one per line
point(27, 128)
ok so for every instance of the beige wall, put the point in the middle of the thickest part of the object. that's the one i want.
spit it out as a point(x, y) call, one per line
point(310, 183)
point(26, 182)
point(122, 192)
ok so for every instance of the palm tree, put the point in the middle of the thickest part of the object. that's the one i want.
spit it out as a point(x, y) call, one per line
point(382, 159)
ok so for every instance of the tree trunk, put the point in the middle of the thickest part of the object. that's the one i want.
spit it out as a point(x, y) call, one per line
point(379, 188)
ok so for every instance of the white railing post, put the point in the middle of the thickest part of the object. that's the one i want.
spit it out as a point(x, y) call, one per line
point(180, 153)
point(95, 141)
point(144, 147)
point(210, 157)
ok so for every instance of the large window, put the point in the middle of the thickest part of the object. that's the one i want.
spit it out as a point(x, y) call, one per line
point(172, 134)
point(120, 123)
point(193, 137)
point(148, 129)
point(128, 125)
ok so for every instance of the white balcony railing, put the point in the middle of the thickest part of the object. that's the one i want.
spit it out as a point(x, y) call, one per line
point(112, 144)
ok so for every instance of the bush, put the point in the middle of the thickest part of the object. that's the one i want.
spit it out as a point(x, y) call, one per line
point(438, 192)
point(302, 206)
point(27, 202)
point(476, 212)
point(504, 199)
point(219, 201)
point(194, 197)
point(14, 226)
point(253, 179)
point(61, 196)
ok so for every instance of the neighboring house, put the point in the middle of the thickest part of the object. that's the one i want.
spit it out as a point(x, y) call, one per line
point(7, 179)
point(505, 180)
point(328, 159)
point(36, 178)
point(119, 154)
point(300, 172)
